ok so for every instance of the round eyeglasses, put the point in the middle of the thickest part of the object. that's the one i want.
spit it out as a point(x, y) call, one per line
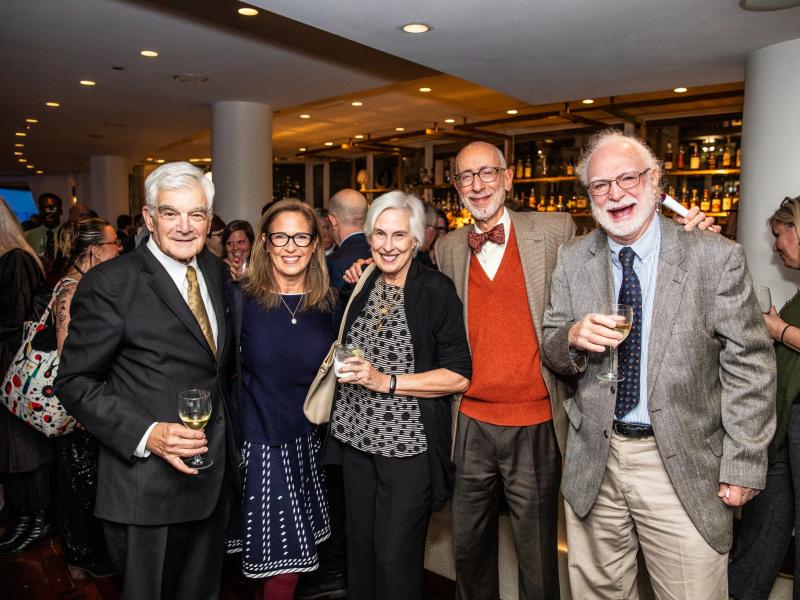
point(625, 181)
point(486, 174)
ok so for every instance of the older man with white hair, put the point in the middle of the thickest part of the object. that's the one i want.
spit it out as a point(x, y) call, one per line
point(146, 327)
point(660, 449)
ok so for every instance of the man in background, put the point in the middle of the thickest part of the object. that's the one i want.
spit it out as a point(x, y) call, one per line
point(347, 210)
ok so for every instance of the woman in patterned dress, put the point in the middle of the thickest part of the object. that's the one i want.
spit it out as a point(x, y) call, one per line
point(289, 319)
point(390, 425)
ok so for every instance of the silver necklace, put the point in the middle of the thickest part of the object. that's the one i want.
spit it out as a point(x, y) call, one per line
point(296, 308)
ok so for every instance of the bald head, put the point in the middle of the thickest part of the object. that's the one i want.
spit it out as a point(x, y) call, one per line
point(347, 211)
point(78, 212)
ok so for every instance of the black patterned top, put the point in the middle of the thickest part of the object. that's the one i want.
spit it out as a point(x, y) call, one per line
point(371, 421)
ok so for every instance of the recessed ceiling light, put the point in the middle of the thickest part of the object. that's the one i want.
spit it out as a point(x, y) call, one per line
point(680, 90)
point(449, 120)
point(29, 167)
point(22, 160)
point(424, 90)
point(31, 120)
point(329, 143)
point(399, 128)
point(512, 111)
point(160, 161)
point(52, 104)
point(247, 12)
point(87, 82)
point(548, 141)
point(150, 158)
point(17, 153)
point(359, 136)
point(767, 5)
point(304, 116)
point(149, 53)
point(301, 149)
point(40, 172)
point(19, 145)
point(588, 101)
point(416, 28)
point(20, 134)
point(357, 103)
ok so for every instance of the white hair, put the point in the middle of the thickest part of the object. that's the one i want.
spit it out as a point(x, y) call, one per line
point(398, 199)
point(177, 176)
point(606, 136)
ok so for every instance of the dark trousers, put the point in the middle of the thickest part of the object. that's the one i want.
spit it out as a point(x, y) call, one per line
point(767, 521)
point(523, 463)
point(388, 509)
point(182, 561)
point(29, 492)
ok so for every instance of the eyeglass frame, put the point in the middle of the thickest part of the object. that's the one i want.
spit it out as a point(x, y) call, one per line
point(117, 242)
point(616, 180)
point(458, 176)
point(312, 236)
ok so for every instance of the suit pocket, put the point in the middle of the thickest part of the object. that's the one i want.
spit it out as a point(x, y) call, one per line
point(574, 413)
point(714, 442)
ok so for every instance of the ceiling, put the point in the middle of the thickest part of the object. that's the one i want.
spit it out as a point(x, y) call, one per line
point(316, 58)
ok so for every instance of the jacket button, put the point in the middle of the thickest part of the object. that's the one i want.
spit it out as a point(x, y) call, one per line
point(613, 389)
point(218, 420)
point(605, 434)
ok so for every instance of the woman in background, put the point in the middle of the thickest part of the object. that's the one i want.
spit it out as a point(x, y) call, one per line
point(237, 239)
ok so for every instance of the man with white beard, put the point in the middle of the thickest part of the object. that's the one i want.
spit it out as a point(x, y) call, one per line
point(660, 451)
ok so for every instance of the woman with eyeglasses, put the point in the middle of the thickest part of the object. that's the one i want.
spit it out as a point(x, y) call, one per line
point(391, 421)
point(287, 317)
point(80, 247)
point(768, 520)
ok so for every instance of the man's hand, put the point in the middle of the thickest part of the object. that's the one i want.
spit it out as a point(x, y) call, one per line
point(697, 219)
point(595, 333)
point(736, 495)
point(353, 273)
point(173, 441)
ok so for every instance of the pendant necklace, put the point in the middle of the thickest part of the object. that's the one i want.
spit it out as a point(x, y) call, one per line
point(296, 308)
point(386, 306)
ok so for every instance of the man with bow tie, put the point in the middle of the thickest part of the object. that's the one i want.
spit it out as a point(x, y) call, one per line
point(511, 426)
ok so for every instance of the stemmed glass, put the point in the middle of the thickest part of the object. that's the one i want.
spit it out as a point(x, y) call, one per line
point(623, 314)
point(194, 409)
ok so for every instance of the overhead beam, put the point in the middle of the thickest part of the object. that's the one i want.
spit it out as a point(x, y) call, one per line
point(583, 120)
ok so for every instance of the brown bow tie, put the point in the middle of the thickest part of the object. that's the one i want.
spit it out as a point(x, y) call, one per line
point(495, 235)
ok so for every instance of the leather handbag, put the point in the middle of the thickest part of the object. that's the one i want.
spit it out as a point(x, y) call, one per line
point(27, 390)
point(319, 399)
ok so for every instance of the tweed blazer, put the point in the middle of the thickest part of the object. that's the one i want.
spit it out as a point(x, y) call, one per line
point(539, 236)
point(710, 372)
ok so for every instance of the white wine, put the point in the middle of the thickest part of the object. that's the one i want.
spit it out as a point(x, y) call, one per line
point(624, 329)
point(195, 421)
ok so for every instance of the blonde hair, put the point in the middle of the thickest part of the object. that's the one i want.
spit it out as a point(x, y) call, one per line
point(260, 281)
point(788, 213)
point(11, 235)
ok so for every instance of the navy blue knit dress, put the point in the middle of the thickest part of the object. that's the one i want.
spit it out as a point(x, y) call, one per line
point(284, 509)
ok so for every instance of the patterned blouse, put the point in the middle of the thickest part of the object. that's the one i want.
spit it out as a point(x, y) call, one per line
point(372, 421)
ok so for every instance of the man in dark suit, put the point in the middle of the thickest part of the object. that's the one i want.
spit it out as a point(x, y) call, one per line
point(144, 328)
point(347, 210)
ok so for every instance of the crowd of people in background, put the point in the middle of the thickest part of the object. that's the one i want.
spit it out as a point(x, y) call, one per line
point(505, 321)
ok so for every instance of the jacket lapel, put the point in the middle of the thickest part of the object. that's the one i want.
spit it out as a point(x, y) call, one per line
point(670, 282)
point(598, 272)
point(531, 249)
point(460, 258)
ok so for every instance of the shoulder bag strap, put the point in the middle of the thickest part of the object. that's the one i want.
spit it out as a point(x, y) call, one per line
point(359, 286)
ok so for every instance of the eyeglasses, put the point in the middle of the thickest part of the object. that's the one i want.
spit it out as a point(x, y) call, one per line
point(117, 243)
point(215, 234)
point(487, 175)
point(439, 229)
point(625, 181)
point(301, 240)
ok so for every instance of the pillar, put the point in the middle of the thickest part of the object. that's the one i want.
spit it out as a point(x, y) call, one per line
point(109, 186)
point(241, 153)
point(770, 155)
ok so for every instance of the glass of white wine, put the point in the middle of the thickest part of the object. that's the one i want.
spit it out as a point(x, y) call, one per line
point(623, 314)
point(194, 409)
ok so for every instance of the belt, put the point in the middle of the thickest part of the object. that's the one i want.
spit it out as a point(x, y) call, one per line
point(631, 430)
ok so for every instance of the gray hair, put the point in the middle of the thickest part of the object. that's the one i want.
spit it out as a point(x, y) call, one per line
point(398, 199)
point(177, 176)
point(606, 136)
point(431, 216)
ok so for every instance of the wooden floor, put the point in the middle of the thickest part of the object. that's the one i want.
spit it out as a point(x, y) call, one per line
point(42, 574)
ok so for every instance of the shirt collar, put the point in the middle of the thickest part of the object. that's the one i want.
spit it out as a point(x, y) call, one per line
point(643, 247)
point(175, 268)
point(505, 219)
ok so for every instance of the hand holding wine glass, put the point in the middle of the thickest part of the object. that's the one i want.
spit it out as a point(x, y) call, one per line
point(194, 409)
point(623, 316)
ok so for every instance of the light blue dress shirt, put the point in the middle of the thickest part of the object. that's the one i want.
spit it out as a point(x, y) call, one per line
point(645, 265)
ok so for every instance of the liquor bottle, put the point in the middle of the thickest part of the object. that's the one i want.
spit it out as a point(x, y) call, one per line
point(542, 206)
point(560, 207)
point(711, 162)
point(681, 158)
point(668, 157)
point(572, 204)
point(527, 172)
point(519, 171)
point(716, 200)
point(582, 203)
point(570, 168)
point(726, 156)
point(532, 199)
point(447, 172)
point(726, 200)
point(738, 157)
point(705, 205)
point(694, 161)
point(695, 199)
point(551, 206)
point(685, 198)
point(545, 167)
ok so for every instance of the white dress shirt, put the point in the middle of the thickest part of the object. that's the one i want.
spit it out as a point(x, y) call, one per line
point(491, 254)
point(177, 272)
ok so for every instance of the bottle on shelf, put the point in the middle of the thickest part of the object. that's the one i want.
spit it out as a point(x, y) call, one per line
point(572, 204)
point(542, 206)
point(570, 167)
point(705, 204)
point(560, 206)
point(711, 161)
point(668, 162)
point(527, 171)
point(738, 157)
point(695, 199)
point(551, 206)
point(542, 167)
point(685, 198)
point(716, 200)
point(519, 170)
point(681, 158)
point(726, 155)
point(694, 161)
point(447, 172)
point(532, 199)
point(726, 200)
point(582, 203)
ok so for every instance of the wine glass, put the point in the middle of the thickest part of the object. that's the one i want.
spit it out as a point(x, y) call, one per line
point(764, 298)
point(623, 314)
point(194, 409)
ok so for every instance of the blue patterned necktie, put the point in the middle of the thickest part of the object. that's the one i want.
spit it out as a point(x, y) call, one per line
point(630, 351)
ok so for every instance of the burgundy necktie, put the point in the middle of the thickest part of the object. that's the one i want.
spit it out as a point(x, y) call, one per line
point(496, 235)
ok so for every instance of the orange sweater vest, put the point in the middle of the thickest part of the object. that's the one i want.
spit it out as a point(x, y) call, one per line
point(507, 386)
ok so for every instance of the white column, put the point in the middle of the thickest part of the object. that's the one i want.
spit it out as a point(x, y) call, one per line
point(241, 152)
point(83, 187)
point(109, 186)
point(770, 155)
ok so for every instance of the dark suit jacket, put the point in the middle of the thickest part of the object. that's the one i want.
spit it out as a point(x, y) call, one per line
point(353, 248)
point(133, 345)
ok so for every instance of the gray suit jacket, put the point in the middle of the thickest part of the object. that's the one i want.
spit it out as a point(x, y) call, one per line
point(539, 236)
point(711, 372)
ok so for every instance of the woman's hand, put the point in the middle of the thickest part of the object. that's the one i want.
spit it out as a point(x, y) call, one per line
point(357, 370)
point(775, 325)
point(234, 267)
point(353, 273)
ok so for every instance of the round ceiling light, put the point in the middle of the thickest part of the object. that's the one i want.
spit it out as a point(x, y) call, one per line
point(424, 90)
point(149, 53)
point(87, 82)
point(247, 12)
point(301, 149)
point(20, 134)
point(680, 90)
point(329, 143)
point(31, 120)
point(52, 104)
point(304, 116)
point(359, 136)
point(356, 103)
point(416, 28)
point(767, 5)
point(512, 111)
point(399, 128)
point(40, 172)
point(588, 101)
point(449, 120)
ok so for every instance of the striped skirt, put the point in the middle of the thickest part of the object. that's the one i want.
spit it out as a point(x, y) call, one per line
point(284, 508)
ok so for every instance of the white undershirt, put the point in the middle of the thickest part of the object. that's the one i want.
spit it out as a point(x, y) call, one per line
point(491, 254)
